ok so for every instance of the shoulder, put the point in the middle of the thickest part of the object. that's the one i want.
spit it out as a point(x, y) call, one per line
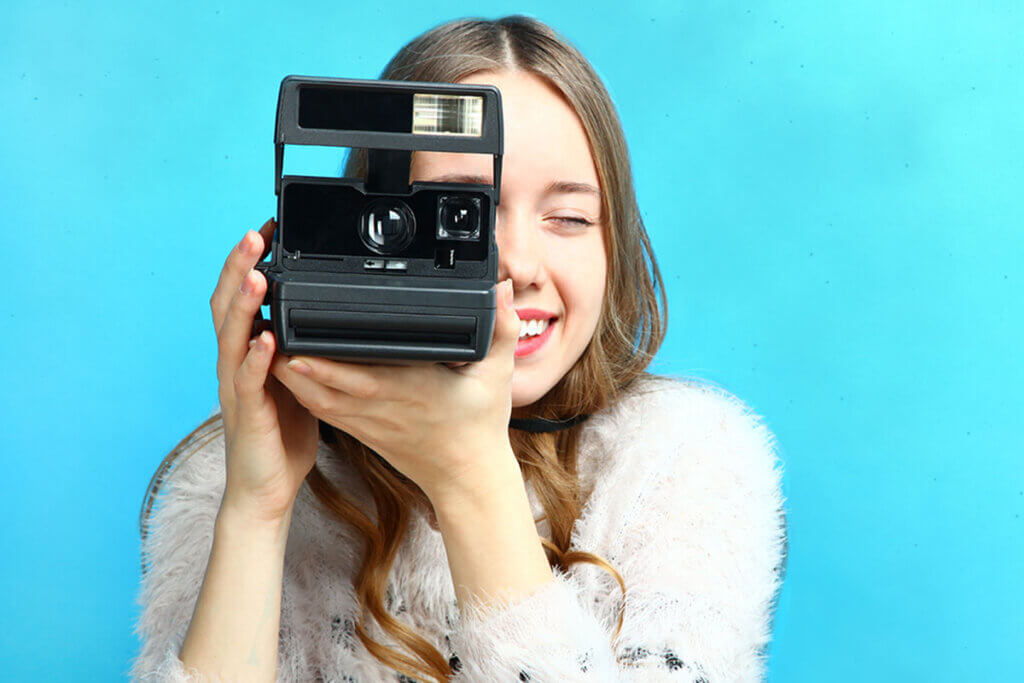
point(188, 495)
point(677, 423)
point(194, 478)
point(686, 454)
point(185, 495)
point(684, 448)
point(698, 468)
point(199, 463)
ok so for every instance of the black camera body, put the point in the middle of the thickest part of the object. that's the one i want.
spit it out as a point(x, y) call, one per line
point(378, 269)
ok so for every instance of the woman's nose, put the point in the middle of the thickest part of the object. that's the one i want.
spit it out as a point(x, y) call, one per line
point(518, 256)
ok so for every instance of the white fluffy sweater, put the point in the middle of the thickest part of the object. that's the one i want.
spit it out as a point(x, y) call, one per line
point(686, 504)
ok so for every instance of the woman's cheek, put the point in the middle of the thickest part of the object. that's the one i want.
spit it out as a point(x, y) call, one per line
point(587, 260)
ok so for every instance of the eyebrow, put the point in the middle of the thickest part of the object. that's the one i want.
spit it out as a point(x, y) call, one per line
point(555, 186)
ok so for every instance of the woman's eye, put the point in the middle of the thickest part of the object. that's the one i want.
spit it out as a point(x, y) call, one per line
point(570, 219)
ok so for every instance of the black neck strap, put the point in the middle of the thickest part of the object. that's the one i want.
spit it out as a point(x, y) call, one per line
point(529, 424)
point(539, 424)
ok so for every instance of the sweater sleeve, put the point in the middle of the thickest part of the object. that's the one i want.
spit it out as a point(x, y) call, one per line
point(695, 525)
point(175, 550)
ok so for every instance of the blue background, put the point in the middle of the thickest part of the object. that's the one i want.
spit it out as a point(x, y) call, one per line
point(830, 191)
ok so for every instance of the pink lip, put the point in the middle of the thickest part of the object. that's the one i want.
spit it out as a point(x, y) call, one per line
point(525, 347)
point(534, 314)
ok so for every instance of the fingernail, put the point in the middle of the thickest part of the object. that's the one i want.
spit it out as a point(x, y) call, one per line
point(508, 293)
point(299, 367)
point(243, 246)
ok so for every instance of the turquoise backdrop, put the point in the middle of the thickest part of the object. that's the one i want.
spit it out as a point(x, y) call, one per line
point(829, 188)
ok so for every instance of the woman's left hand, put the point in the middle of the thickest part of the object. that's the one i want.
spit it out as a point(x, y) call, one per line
point(446, 428)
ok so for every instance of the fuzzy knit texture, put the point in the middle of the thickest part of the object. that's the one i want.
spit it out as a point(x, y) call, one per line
point(685, 501)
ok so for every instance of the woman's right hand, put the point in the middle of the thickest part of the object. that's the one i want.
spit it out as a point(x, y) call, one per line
point(270, 439)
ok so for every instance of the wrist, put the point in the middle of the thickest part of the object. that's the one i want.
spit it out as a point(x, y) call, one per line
point(490, 537)
point(500, 479)
point(240, 520)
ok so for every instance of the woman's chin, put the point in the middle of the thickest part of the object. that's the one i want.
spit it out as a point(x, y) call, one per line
point(525, 393)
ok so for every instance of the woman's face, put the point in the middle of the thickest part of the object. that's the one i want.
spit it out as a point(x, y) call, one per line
point(549, 232)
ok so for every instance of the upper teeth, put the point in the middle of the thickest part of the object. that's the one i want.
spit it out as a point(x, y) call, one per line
point(532, 327)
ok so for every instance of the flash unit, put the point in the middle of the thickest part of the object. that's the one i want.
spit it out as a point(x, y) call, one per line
point(435, 114)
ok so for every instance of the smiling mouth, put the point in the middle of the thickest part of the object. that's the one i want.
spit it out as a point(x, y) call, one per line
point(529, 343)
point(534, 328)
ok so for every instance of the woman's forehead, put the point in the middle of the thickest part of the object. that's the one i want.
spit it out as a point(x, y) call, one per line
point(552, 172)
point(431, 164)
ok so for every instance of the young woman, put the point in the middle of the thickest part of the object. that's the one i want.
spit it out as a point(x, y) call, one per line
point(551, 513)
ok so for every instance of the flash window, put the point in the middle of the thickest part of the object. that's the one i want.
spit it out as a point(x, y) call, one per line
point(435, 114)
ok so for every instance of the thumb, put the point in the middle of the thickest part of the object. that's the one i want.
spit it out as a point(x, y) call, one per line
point(506, 323)
point(503, 338)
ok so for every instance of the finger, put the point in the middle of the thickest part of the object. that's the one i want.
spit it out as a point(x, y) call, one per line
point(238, 324)
point(250, 380)
point(362, 380)
point(267, 234)
point(319, 399)
point(241, 259)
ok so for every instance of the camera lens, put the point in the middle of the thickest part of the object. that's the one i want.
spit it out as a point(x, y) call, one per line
point(387, 226)
point(458, 217)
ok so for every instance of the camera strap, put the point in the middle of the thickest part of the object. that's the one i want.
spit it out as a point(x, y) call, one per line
point(529, 424)
point(539, 424)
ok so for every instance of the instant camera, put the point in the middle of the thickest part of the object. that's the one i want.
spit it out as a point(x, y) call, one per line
point(378, 269)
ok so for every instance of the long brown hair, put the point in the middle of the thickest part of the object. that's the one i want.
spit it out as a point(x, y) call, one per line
point(629, 332)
